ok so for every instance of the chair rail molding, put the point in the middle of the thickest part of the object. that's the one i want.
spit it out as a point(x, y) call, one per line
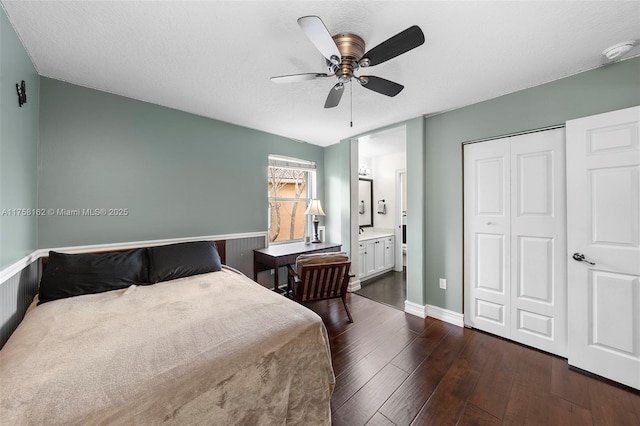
point(21, 264)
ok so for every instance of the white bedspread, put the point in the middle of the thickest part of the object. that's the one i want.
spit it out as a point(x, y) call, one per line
point(213, 349)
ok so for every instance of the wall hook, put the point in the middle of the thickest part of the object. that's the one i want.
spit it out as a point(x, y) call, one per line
point(22, 93)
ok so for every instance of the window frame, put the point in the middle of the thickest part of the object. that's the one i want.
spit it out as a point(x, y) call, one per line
point(310, 192)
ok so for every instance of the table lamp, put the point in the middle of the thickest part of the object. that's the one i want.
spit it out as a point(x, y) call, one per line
point(315, 208)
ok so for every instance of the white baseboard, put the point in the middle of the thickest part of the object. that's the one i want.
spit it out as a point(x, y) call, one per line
point(415, 309)
point(18, 266)
point(377, 274)
point(445, 315)
point(436, 312)
point(354, 286)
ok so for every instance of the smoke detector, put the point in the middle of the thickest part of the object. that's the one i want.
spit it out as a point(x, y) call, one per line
point(618, 50)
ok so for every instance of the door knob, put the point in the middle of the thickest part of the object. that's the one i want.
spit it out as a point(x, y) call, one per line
point(580, 258)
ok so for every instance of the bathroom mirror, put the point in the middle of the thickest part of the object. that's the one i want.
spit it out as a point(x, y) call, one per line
point(365, 202)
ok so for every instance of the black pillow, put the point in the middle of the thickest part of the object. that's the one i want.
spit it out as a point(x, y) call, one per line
point(182, 260)
point(76, 274)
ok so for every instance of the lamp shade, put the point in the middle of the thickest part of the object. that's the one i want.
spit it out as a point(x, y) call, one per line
point(314, 207)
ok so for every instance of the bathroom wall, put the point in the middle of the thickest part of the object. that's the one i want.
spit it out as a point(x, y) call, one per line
point(364, 162)
point(384, 170)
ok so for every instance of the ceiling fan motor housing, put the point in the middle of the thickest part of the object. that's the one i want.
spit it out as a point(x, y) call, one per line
point(351, 49)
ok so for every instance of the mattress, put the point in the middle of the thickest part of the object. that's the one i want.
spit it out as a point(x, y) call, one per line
point(214, 349)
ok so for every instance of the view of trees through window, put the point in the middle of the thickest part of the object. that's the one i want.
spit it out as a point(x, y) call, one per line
point(288, 197)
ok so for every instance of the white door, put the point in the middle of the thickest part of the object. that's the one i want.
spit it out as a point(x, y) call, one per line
point(486, 241)
point(515, 239)
point(538, 241)
point(603, 181)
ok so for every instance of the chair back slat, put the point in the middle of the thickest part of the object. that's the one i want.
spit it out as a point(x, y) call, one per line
point(312, 283)
point(321, 281)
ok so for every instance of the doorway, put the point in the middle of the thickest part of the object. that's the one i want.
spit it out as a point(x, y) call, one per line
point(382, 162)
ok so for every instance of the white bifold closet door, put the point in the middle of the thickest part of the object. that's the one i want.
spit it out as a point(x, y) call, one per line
point(515, 239)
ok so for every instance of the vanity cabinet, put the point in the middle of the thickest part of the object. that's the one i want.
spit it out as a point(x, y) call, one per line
point(376, 255)
point(372, 253)
point(362, 261)
point(389, 254)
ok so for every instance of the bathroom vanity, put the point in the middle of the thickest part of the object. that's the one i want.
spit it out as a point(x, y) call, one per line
point(376, 254)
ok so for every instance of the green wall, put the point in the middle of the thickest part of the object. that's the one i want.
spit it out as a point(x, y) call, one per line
point(415, 211)
point(178, 174)
point(338, 193)
point(603, 89)
point(18, 147)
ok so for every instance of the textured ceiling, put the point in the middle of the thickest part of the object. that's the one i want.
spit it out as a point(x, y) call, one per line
point(215, 58)
point(390, 141)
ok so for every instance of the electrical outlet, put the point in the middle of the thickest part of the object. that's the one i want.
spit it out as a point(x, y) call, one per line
point(443, 283)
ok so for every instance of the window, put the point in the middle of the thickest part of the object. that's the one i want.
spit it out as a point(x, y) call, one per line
point(291, 183)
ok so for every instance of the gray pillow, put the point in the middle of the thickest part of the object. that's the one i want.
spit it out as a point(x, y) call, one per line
point(182, 260)
point(70, 275)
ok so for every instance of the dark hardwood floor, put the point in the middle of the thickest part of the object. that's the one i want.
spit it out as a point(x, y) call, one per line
point(389, 288)
point(397, 369)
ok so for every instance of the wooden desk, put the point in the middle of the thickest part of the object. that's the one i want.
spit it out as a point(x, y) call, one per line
point(278, 255)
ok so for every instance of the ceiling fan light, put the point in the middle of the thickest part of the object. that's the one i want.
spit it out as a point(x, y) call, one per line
point(618, 50)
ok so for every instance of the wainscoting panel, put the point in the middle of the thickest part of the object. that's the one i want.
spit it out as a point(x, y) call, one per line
point(240, 253)
point(16, 293)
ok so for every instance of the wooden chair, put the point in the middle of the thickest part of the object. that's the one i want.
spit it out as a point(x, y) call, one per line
point(321, 281)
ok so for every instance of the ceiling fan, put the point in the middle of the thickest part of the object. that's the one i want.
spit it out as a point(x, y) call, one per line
point(345, 54)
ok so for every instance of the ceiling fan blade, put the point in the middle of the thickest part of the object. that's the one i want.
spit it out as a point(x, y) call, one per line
point(293, 78)
point(320, 37)
point(380, 85)
point(400, 43)
point(334, 96)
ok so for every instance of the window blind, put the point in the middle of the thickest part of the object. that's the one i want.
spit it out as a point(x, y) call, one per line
point(291, 163)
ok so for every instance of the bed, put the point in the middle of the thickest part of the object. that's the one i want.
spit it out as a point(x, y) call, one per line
point(209, 348)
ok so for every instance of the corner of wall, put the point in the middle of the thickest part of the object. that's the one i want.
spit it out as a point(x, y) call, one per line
point(337, 184)
point(19, 139)
point(416, 291)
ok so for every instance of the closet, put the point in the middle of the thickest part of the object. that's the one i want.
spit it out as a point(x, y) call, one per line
point(515, 238)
